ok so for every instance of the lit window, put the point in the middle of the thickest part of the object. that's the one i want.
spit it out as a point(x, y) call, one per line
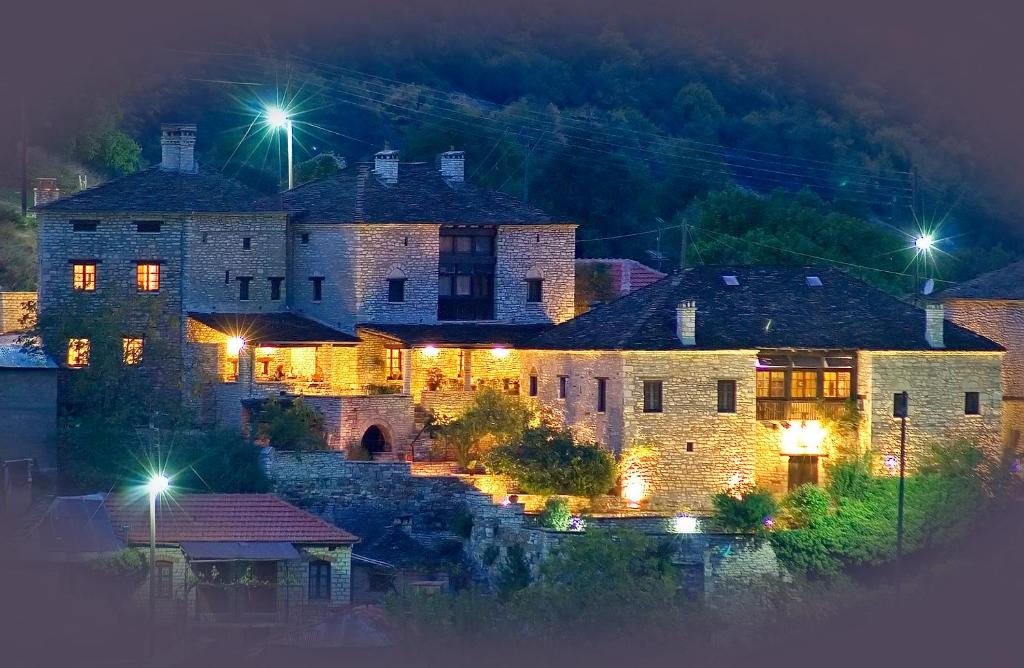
point(78, 352)
point(803, 384)
point(727, 396)
point(771, 384)
point(653, 396)
point(836, 384)
point(534, 290)
point(84, 276)
point(164, 579)
point(147, 276)
point(319, 580)
point(131, 350)
point(972, 403)
point(394, 364)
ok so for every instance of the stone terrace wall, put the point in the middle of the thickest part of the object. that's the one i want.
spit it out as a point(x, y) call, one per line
point(12, 310)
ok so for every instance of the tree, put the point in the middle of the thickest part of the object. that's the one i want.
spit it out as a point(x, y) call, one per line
point(493, 417)
point(292, 425)
point(744, 510)
point(548, 460)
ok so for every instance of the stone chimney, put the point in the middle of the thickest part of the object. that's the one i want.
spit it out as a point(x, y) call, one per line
point(686, 322)
point(934, 323)
point(178, 144)
point(46, 191)
point(385, 165)
point(453, 166)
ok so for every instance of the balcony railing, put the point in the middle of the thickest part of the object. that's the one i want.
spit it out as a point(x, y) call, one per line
point(801, 409)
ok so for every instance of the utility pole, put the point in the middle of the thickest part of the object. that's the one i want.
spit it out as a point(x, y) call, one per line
point(684, 240)
point(904, 408)
point(24, 159)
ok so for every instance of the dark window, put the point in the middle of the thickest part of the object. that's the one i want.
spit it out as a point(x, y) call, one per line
point(900, 405)
point(164, 579)
point(275, 288)
point(466, 267)
point(727, 396)
point(534, 290)
point(204, 237)
point(652, 396)
point(246, 243)
point(563, 384)
point(972, 403)
point(602, 394)
point(396, 289)
point(304, 238)
point(318, 288)
point(148, 226)
point(533, 385)
point(689, 446)
point(319, 581)
point(227, 276)
point(84, 225)
point(803, 470)
point(243, 288)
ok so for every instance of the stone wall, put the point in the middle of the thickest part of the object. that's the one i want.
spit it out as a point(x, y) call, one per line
point(329, 254)
point(13, 309)
point(348, 418)
point(548, 251)
point(936, 383)
point(393, 249)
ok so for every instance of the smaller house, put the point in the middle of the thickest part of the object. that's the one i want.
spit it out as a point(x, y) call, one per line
point(393, 560)
point(28, 405)
point(221, 559)
point(601, 280)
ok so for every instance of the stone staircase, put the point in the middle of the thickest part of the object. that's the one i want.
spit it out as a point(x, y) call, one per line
point(421, 444)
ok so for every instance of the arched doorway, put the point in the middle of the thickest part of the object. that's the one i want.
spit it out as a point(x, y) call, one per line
point(375, 441)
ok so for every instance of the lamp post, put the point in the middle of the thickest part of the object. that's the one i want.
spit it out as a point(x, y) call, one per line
point(278, 119)
point(156, 486)
point(923, 244)
point(903, 408)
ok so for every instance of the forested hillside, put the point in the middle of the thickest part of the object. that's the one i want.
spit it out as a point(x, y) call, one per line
point(626, 134)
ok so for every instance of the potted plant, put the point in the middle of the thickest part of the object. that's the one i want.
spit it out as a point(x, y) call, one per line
point(435, 378)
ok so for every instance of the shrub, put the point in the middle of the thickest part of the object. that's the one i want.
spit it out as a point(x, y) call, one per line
point(556, 514)
point(374, 388)
point(745, 511)
point(548, 460)
point(490, 555)
point(849, 478)
point(293, 426)
point(435, 378)
point(493, 416)
point(462, 523)
point(515, 572)
point(959, 459)
point(804, 506)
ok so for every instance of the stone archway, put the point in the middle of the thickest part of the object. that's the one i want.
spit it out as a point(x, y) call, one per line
point(375, 440)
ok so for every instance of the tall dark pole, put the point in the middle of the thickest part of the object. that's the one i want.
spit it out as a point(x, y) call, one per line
point(24, 160)
point(152, 572)
point(899, 503)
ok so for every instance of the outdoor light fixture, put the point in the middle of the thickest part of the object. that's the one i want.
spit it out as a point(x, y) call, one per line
point(235, 345)
point(924, 242)
point(803, 438)
point(278, 119)
point(430, 351)
point(499, 353)
point(633, 491)
point(158, 484)
point(684, 524)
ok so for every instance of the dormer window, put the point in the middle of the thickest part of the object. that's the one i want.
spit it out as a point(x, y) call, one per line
point(730, 280)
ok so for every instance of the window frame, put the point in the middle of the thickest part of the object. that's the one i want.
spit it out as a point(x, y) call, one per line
point(972, 403)
point(148, 277)
point(563, 387)
point(400, 292)
point(78, 352)
point(318, 288)
point(131, 357)
point(726, 400)
point(900, 408)
point(318, 576)
point(244, 288)
point(395, 366)
point(275, 287)
point(87, 285)
point(163, 576)
point(535, 291)
point(601, 405)
point(533, 385)
point(653, 402)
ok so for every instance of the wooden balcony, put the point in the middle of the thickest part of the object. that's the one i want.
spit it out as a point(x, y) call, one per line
point(801, 409)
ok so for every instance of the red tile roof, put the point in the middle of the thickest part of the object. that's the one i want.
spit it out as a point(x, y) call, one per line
point(221, 517)
point(626, 275)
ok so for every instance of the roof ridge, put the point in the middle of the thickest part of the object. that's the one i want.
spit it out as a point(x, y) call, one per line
point(652, 307)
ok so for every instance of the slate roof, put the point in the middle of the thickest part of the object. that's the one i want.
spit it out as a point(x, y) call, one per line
point(453, 334)
point(12, 356)
point(421, 195)
point(156, 190)
point(770, 308)
point(222, 517)
point(1006, 283)
point(272, 328)
point(75, 525)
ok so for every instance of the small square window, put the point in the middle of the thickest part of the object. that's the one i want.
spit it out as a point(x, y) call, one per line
point(689, 446)
point(205, 237)
point(653, 396)
point(304, 238)
point(396, 290)
point(972, 403)
point(533, 385)
point(84, 225)
point(727, 396)
point(246, 243)
point(148, 226)
point(534, 290)
point(563, 386)
point(900, 405)
point(243, 288)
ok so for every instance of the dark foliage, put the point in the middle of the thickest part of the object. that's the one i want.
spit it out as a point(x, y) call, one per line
point(548, 460)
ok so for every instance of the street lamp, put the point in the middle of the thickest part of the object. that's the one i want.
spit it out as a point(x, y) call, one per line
point(902, 408)
point(278, 119)
point(156, 486)
point(924, 242)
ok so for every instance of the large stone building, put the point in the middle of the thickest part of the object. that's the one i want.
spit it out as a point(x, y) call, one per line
point(993, 305)
point(747, 375)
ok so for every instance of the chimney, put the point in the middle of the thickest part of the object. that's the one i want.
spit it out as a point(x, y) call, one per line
point(453, 166)
point(934, 322)
point(178, 144)
point(385, 166)
point(686, 322)
point(46, 191)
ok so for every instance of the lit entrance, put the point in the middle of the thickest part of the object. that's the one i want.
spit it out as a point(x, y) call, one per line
point(803, 470)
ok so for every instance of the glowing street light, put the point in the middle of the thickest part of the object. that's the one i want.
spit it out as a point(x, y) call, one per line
point(157, 485)
point(278, 119)
point(924, 242)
